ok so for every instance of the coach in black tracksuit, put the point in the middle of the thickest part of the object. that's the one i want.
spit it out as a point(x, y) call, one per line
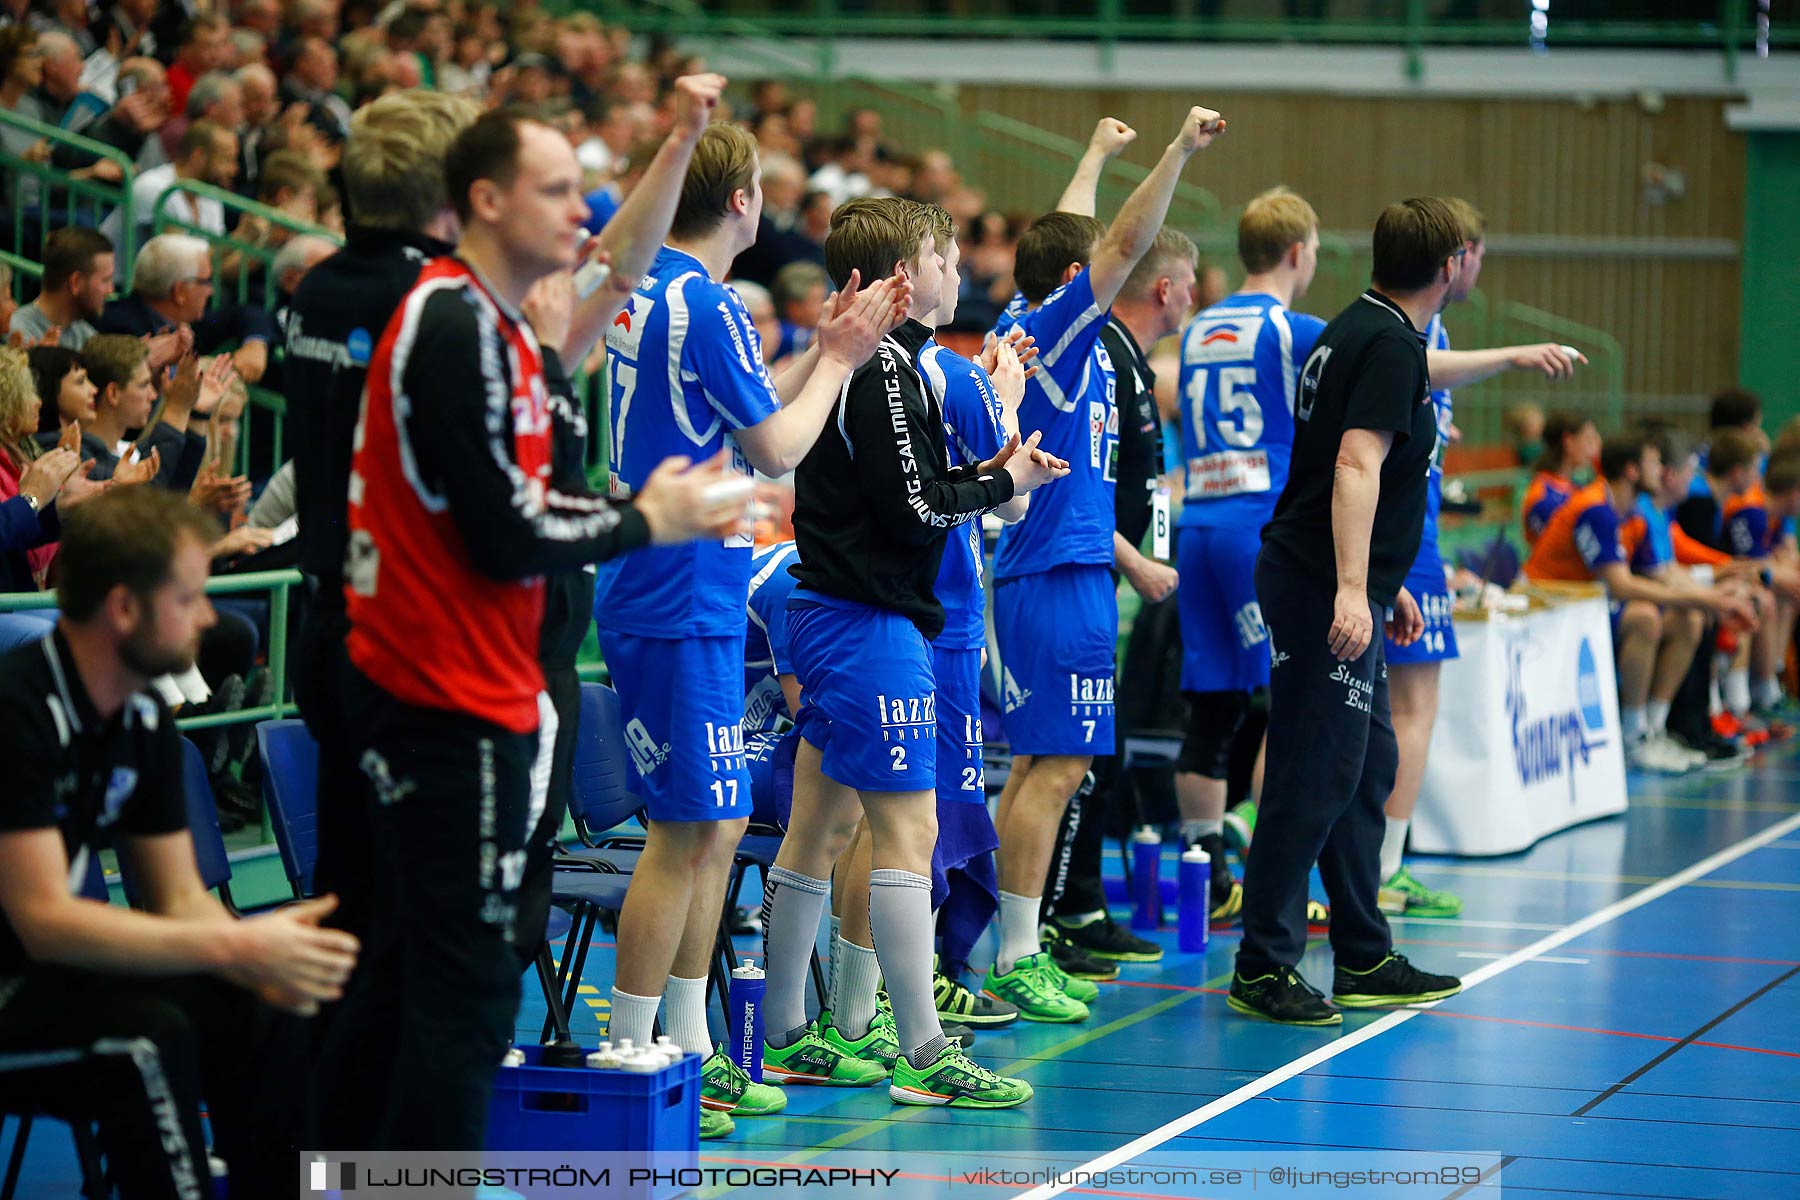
point(1344, 535)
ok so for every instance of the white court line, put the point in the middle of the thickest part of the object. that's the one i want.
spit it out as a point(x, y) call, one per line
point(1548, 958)
point(1375, 1029)
point(1459, 923)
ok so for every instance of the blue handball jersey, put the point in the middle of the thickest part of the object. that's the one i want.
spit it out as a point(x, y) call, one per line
point(973, 434)
point(1070, 401)
point(1240, 368)
point(765, 637)
point(686, 371)
point(1436, 339)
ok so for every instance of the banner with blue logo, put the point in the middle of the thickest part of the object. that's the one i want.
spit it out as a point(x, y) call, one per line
point(1527, 739)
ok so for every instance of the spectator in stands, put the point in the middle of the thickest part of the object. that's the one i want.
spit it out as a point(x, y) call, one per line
point(27, 545)
point(206, 153)
point(79, 270)
point(468, 71)
point(1570, 443)
point(781, 237)
point(132, 21)
point(65, 394)
point(21, 71)
point(761, 307)
point(124, 395)
point(936, 177)
point(611, 131)
point(845, 174)
point(312, 78)
point(257, 88)
point(247, 47)
point(205, 40)
point(1525, 431)
point(216, 97)
point(61, 82)
point(799, 292)
point(171, 284)
point(8, 305)
point(69, 18)
point(125, 123)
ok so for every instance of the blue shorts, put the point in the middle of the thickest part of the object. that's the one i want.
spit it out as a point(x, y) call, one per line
point(1438, 642)
point(682, 702)
point(867, 698)
point(958, 676)
point(771, 757)
point(1058, 631)
point(1224, 643)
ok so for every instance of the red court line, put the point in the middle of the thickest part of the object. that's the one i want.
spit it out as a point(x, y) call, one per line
point(1166, 987)
point(1647, 1037)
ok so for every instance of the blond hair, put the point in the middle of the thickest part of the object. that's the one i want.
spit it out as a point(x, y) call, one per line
point(1474, 225)
point(394, 160)
point(1170, 247)
point(871, 234)
point(724, 163)
point(1272, 222)
point(17, 392)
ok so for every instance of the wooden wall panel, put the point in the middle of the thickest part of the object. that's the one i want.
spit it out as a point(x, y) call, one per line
point(1536, 168)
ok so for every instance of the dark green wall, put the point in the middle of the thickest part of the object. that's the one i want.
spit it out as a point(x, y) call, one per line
point(1769, 358)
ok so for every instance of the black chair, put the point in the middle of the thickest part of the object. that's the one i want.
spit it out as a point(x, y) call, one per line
point(94, 1185)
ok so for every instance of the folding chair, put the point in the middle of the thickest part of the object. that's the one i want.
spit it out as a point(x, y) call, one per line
point(290, 762)
point(203, 824)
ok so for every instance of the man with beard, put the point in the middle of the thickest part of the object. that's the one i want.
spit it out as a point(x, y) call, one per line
point(121, 1016)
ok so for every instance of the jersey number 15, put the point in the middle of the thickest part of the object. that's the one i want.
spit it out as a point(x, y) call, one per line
point(1237, 398)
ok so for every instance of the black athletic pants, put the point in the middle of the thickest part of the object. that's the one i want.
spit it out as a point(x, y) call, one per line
point(415, 1046)
point(1330, 768)
point(321, 666)
point(138, 1055)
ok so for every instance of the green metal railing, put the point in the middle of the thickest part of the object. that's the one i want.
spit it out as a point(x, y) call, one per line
point(1718, 25)
point(22, 269)
point(276, 583)
point(42, 197)
point(253, 259)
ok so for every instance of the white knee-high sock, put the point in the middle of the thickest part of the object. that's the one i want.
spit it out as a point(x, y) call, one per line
point(1393, 846)
point(632, 1017)
point(859, 976)
point(792, 906)
point(900, 916)
point(1018, 930)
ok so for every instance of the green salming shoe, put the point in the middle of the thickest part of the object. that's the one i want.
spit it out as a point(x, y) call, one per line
point(1083, 990)
point(1402, 895)
point(1240, 827)
point(727, 1087)
point(881, 1044)
point(957, 1081)
point(957, 1005)
point(1033, 989)
point(814, 1060)
point(715, 1124)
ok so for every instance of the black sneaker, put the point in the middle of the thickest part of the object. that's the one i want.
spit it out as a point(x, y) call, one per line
point(1227, 894)
point(962, 1035)
point(1392, 981)
point(1722, 754)
point(1283, 997)
point(1074, 961)
point(240, 739)
point(1104, 938)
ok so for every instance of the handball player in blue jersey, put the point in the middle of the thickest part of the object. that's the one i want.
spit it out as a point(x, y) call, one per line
point(1413, 669)
point(688, 381)
point(876, 501)
point(1240, 367)
point(1055, 609)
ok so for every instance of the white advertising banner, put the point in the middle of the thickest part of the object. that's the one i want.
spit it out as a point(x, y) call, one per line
point(1527, 739)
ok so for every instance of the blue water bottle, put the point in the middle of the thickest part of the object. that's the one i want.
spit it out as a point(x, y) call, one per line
point(1146, 863)
point(1195, 910)
point(747, 1019)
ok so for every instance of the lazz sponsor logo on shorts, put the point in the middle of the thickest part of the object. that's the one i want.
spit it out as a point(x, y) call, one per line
point(647, 753)
point(1360, 693)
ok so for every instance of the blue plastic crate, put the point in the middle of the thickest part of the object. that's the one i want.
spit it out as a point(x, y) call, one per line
point(579, 1109)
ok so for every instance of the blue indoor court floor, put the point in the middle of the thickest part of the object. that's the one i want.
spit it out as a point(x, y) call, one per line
point(1632, 1030)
